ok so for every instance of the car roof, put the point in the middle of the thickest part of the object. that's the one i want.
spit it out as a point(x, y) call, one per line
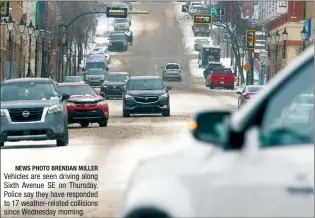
point(27, 80)
point(144, 77)
point(72, 84)
point(119, 73)
point(172, 63)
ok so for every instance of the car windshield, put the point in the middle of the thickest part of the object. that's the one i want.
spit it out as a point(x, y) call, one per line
point(117, 37)
point(202, 41)
point(28, 91)
point(254, 88)
point(95, 72)
point(197, 6)
point(304, 99)
point(122, 20)
point(116, 77)
point(80, 90)
point(73, 79)
point(172, 67)
point(145, 84)
point(94, 65)
point(212, 66)
point(222, 71)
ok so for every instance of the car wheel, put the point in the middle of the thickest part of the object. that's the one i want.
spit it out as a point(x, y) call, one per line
point(65, 138)
point(1, 144)
point(167, 113)
point(125, 113)
point(103, 123)
point(84, 124)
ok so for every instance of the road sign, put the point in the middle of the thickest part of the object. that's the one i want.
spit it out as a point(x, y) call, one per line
point(116, 12)
point(14, 68)
point(202, 19)
point(221, 11)
point(4, 10)
point(246, 67)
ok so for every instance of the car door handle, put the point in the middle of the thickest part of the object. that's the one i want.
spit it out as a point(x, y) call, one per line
point(305, 190)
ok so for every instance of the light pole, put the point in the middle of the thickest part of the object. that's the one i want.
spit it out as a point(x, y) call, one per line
point(36, 33)
point(304, 37)
point(30, 30)
point(22, 25)
point(277, 38)
point(284, 53)
point(268, 50)
point(10, 25)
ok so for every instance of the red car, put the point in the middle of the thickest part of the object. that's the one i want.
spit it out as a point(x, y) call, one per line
point(221, 77)
point(85, 105)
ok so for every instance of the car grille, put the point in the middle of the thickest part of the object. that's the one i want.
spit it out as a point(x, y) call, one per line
point(35, 114)
point(26, 132)
point(146, 99)
point(87, 104)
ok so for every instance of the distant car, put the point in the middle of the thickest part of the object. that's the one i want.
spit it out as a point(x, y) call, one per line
point(95, 76)
point(75, 79)
point(221, 77)
point(128, 34)
point(211, 66)
point(118, 42)
point(104, 51)
point(246, 93)
point(85, 105)
point(199, 42)
point(299, 111)
point(146, 94)
point(122, 24)
point(172, 71)
point(32, 110)
point(112, 86)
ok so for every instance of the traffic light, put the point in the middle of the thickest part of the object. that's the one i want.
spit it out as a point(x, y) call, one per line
point(250, 39)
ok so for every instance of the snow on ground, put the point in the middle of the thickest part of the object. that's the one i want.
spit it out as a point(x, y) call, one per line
point(195, 71)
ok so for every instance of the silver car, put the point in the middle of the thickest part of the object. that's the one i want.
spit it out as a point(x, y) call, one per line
point(200, 42)
point(122, 24)
point(95, 77)
point(172, 71)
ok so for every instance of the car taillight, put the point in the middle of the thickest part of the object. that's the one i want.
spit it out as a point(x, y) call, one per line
point(247, 96)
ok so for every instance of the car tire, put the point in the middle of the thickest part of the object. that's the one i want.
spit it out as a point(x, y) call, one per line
point(167, 113)
point(1, 144)
point(84, 124)
point(125, 113)
point(65, 138)
point(103, 123)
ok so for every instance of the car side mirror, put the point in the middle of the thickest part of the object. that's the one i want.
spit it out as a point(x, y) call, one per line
point(184, 8)
point(65, 97)
point(107, 69)
point(123, 88)
point(168, 88)
point(238, 92)
point(211, 127)
point(101, 94)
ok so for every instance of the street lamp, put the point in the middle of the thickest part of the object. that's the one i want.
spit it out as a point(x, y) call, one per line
point(22, 25)
point(10, 25)
point(30, 30)
point(37, 35)
point(269, 38)
point(304, 36)
point(284, 53)
point(277, 38)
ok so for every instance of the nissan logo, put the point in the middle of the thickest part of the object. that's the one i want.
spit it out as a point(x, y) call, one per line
point(25, 113)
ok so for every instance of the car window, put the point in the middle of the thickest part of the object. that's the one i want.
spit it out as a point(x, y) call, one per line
point(280, 124)
point(145, 84)
point(77, 90)
point(222, 71)
point(172, 66)
point(116, 77)
point(254, 88)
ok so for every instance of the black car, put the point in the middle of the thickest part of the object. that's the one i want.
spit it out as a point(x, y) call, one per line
point(112, 86)
point(128, 34)
point(146, 94)
point(118, 42)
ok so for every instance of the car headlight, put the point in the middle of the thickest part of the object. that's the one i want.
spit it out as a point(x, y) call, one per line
point(70, 104)
point(56, 109)
point(1, 113)
point(101, 103)
point(164, 95)
point(128, 96)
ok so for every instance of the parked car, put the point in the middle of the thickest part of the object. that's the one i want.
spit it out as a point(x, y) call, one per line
point(246, 93)
point(85, 105)
point(32, 110)
point(221, 77)
point(247, 163)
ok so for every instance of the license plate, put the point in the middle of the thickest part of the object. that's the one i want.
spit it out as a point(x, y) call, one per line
point(221, 82)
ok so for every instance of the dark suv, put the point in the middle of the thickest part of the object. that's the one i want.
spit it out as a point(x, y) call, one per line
point(146, 94)
point(112, 86)
point(118, 42)
point(32, 110)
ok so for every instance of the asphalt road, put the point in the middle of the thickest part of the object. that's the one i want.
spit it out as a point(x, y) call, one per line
point(117, 148)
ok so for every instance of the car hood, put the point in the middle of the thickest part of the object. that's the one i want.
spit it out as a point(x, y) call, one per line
point(29, 103)
point(146, 92)
point(114, 83)
point(81, 98)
